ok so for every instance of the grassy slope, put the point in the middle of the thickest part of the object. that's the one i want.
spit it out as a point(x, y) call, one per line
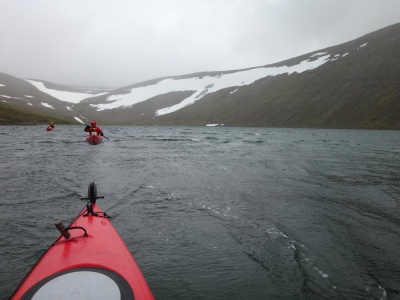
point(359, 90)
point(16, 116)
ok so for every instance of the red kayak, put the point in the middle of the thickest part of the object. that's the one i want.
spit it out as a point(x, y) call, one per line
point(50, 128)
point(88, 261)
point(94, 139)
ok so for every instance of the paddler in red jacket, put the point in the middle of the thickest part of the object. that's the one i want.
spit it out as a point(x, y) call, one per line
point(50, 127)
point(93, 127)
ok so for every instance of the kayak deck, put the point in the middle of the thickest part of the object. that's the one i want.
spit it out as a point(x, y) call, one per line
point(93, 263)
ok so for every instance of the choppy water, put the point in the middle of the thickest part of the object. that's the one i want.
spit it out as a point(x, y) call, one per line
point(216, 213)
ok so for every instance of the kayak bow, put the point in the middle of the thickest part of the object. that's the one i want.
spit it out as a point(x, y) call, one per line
point(88, 261)
point(94, 139)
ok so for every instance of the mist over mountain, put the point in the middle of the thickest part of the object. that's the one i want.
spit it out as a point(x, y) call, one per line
point(351, 85)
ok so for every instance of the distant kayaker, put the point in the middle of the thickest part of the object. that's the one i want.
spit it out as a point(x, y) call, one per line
point(50, 127)
point(93, 128)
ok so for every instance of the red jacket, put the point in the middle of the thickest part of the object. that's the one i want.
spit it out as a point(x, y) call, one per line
point(91, 129)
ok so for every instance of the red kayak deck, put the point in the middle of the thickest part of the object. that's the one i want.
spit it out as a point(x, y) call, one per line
point(93, 266)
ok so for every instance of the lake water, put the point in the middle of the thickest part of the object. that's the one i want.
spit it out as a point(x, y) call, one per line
point(214, 212)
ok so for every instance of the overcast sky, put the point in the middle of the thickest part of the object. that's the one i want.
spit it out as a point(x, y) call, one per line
point(114, 43)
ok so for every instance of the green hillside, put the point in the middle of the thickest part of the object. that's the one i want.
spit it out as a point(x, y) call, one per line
point(16, 116)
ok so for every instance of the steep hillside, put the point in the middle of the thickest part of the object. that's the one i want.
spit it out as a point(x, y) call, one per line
point(9, 115)
point(22, 103)
point(352, 85)
point(357, 90)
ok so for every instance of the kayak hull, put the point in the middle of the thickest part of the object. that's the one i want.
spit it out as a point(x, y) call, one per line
point(96, 264)
point(94, 139)
point(50, 128)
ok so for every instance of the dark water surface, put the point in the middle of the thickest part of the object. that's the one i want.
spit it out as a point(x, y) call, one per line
point(216, 213)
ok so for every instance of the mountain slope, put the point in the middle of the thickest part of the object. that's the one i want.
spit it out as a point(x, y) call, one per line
point(352, 85)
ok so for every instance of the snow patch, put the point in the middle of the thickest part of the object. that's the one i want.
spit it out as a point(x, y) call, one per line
point(203, 86)
point(241, 78)
point(62, 95)
point(363, 45)
point(335, 57)
point(9, 97)
point(46, 105)
point(318, 54)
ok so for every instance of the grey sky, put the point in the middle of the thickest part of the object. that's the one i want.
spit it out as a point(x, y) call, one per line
point(121, 42)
